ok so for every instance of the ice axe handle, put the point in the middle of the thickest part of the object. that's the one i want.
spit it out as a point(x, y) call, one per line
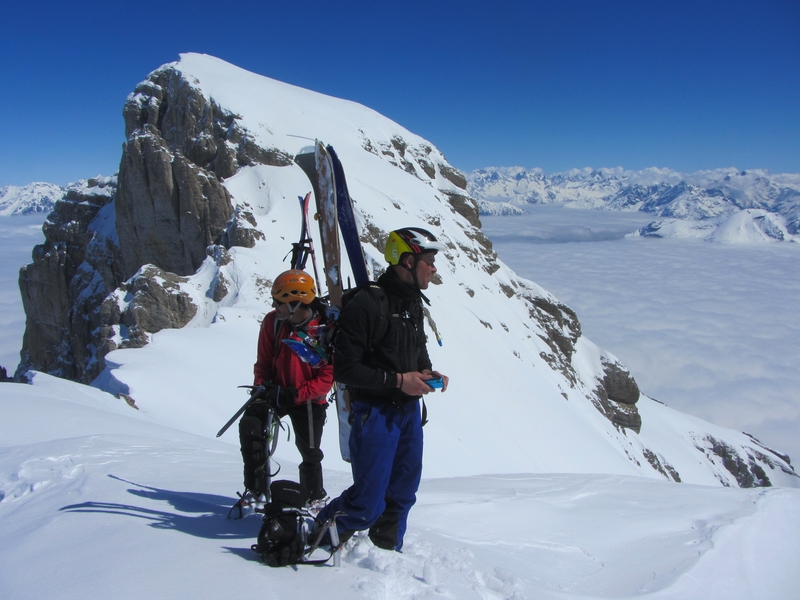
point(253, 396)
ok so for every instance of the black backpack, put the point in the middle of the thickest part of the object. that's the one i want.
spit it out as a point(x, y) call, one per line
point(281, 540)
point(377, 291)
point(383, 316)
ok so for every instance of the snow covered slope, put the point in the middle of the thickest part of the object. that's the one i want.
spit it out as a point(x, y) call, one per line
point(750, 225)
point(109, 504)
point(528, 392)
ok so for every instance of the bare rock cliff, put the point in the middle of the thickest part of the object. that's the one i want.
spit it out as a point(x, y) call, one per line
point(107, 275)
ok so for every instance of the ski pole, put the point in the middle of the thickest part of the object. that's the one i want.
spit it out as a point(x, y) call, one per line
point(310, 425)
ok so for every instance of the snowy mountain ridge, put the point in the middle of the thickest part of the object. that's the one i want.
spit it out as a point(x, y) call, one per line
point(175, 269)
point(705, 199)
point(37, 197)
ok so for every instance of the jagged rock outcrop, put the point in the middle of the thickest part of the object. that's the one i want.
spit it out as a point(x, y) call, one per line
point(148, 302)
point(561, 330)
point(69, 276)
point(194, 126)
point(168, 209)
point(616, 396)
point(110, 271)
point(746, 467)
point(619, 384)
point(171, 203)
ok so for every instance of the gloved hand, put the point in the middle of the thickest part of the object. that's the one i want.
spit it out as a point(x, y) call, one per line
point(264, 392)
point(263, 397)
point(285, 398)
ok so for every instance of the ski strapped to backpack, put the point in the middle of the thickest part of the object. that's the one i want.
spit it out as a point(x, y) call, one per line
point(316, 164)
point(347, 221)
point(336, 215)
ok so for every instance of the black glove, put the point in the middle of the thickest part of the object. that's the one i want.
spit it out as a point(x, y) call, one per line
point(285, 398)
point(264, 392)
point(263, 396)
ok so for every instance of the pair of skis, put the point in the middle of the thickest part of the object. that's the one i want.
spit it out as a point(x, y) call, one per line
point(336, 221)
point(336, 217)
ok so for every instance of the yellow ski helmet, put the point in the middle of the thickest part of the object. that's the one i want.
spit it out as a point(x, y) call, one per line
point(409, 239)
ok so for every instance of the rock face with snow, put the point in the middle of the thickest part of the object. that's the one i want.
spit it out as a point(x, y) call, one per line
point(180, 146)
point(699, 203)
point(63, 286)
point(203, 213)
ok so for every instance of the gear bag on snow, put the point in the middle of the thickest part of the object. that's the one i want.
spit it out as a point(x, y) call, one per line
point(281, 540)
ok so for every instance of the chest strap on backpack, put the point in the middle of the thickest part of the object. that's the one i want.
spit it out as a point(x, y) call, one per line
point(432, 324)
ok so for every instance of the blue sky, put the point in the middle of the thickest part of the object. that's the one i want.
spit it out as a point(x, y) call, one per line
point(557, 85)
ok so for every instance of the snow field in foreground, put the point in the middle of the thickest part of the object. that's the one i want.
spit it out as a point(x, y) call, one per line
point(113, 506)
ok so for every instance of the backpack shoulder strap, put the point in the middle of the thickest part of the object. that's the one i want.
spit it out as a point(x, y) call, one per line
point(383, 301)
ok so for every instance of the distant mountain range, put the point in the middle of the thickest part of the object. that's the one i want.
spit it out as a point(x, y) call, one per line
point(40, 198)
point(32, 198)
point(762, 205)
point(718, 205)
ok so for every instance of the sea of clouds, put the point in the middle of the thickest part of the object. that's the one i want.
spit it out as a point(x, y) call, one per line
point(710, 329)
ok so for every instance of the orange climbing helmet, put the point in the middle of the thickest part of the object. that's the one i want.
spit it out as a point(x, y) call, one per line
point(294, 285)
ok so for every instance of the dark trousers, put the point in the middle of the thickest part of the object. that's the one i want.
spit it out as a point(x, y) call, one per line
point(254, 442)
point(386, 459)
point(311, 467)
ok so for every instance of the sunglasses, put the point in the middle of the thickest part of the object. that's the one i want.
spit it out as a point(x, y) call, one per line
point(291, 305)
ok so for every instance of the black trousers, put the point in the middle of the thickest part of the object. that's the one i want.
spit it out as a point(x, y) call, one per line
point(311, 467)
point(253, 445)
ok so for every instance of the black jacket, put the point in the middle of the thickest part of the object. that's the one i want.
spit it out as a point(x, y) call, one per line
point(370, 349)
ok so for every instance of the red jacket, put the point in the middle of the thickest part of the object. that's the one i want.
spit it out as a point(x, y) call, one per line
point(283, 367)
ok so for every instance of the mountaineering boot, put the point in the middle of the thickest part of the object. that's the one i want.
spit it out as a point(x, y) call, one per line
point(249, 503)
point(319, 536)
point(314, 506)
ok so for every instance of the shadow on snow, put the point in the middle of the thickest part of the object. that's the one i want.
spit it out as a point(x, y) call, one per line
point(200, 515)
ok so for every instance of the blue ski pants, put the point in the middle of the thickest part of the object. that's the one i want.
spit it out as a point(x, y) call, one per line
point(386, 460)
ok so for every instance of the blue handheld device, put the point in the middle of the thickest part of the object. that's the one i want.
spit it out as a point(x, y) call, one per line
point(436, 383)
